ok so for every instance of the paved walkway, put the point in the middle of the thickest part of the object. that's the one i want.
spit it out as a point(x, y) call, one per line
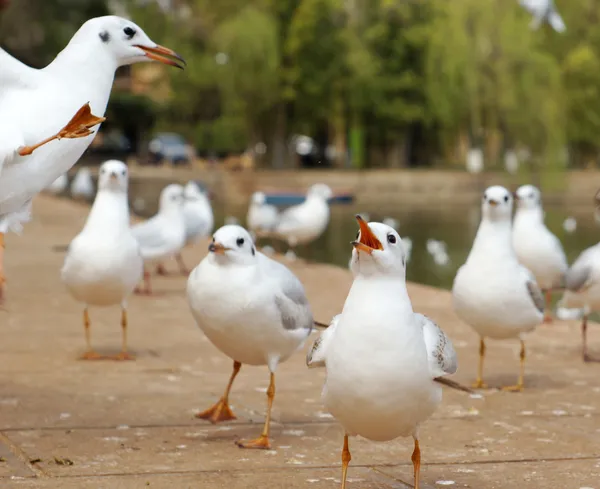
point(69, 424)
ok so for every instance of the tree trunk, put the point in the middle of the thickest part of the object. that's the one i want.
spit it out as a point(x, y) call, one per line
point(396, 155)
point(279, 153)
point(337, 127)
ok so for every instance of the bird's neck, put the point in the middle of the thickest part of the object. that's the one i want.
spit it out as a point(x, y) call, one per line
point(110, 212)
point(494, 238)
point(532, 215)
point(83, 62)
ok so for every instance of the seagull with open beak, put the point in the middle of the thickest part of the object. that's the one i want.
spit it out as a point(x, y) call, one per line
point(384, 362)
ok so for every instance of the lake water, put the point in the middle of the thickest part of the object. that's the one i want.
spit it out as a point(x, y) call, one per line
point(456, 226)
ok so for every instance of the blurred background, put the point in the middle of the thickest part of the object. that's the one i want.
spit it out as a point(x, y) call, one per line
point(410, 107)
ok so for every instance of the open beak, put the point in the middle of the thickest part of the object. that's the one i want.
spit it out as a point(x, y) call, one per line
point(163, 55)
point(217, 248)
point(368, 241)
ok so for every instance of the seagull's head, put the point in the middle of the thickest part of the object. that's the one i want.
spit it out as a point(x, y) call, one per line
point(232, 244)
point(497, 204)
point(127, 42)
point(193, 192)
point(258, 198)
point(528, 197)
point(320, 190)
point(171, 197)
point(378, 250)
point(113, 176)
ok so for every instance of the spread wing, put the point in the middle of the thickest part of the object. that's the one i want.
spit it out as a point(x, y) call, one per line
point(316, 354)
point(291, 299)
point(440, 352)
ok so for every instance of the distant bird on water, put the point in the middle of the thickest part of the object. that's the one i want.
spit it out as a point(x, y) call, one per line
point(49, 117)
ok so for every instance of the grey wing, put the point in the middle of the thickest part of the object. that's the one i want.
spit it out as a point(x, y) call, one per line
point(291, 300)
point(533, 289)
point(440, 352)
point(317, 353)
point(578, 277)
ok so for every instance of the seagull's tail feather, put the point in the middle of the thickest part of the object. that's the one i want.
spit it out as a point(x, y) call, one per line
point(454, 385)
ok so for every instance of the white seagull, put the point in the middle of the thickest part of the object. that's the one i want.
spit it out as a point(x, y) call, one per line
point(582, 282)
point(199, 220)
point(382, 358)
point(303, 223)
point(536, 247)
point(103, 263)
point(163, 236)
point(493, 293)
point(250, 307)
point(262, 217)
point(82, 186)
point(36, 104)
point(544, 11)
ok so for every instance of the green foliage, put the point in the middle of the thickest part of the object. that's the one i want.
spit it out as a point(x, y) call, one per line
point(365, 74)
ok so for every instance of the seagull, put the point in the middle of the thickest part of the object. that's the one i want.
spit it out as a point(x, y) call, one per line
point(250, 307)
point(492, 292)
point(82, 186)
point(49, 117)
point(382, 358)
point(262, 217)
point(103, 263)
point(582, 282)
point(199, 220)
point(59, 185)
point(305, 222)
point(536, 247)
point(162, 236)
point(544, 11)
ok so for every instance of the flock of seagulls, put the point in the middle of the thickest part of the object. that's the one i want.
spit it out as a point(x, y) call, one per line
point(385, 363)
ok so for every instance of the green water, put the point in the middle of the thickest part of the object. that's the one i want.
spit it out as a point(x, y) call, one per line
point(456, 226)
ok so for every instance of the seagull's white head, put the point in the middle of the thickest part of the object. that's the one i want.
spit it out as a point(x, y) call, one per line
point(320, 190)
point(232, 244)
point(193, 192)
point(124, 41)
point(171, 198)
point(113, 176)
point(528, 197)
point(258, 198)
point(497, 204)
point(377, 250)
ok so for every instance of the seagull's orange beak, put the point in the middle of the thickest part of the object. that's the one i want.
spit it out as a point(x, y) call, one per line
point(163, 55)
point(217, 248)
point(368, 241)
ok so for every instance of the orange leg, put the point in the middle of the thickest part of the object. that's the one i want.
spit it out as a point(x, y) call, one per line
point(520, 385)
point(586, 355)
point(124, 355)
point(78, 127)
point(90, 354)
point(147, 290)
point(479, 382)
point(346, 457)
point(263, 440)
point(161, 270)
point(416, 460)
point(182, 268)
point(548, 309)
point(221, 410)
point(2, 277)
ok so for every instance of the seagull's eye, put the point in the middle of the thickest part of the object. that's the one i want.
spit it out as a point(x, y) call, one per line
point(506, 198)
point(102, 171)
point(129, 32)
point(240, 242)
point(124, 172)
point(485, 198)
point(391, 239)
